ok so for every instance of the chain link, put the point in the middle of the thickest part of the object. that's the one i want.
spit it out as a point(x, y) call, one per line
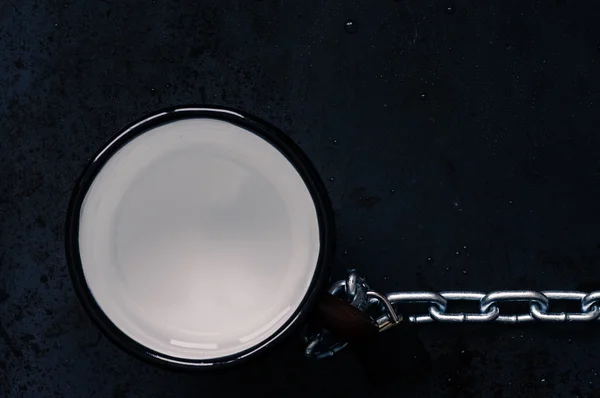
point(490, 315)
point(487, 307)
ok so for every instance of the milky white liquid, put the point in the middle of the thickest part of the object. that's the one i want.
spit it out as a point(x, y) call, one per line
point(198, 239)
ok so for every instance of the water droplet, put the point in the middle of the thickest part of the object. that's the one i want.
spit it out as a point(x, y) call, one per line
point(367, 198)
point(392, 191)
point(332, 179)
point(465, 247)
point(447, 268)
point(429, 260)
point(543, 380)
point(457, 253)
point(345, 252)
point(335, 142)
point(351, 26)
point(449, 10)
point(360, 238)
point(424, 97)
point(465, 272)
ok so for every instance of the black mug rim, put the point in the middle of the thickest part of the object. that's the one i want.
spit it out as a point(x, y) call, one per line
point(256, 126)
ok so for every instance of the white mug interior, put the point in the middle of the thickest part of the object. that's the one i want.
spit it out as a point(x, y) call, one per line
point(198, 239)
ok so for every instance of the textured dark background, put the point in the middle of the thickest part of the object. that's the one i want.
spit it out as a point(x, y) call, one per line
point(458, 141)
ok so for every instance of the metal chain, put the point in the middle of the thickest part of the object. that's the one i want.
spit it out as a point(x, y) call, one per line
point(384, 307)
point(488, 305)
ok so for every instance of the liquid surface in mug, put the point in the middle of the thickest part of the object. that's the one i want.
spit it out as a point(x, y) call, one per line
point(198, 239)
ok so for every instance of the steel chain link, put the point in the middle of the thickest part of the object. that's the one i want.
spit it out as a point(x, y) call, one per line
point(487, 309)
point(539, 304)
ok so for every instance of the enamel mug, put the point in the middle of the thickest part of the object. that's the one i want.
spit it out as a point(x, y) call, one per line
point(199, 237)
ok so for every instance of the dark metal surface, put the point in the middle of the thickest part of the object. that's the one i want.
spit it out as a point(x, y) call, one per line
point(458, 141)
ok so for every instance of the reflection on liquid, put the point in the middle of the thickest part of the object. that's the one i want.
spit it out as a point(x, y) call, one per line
point(266, 327)
point(202, 346)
